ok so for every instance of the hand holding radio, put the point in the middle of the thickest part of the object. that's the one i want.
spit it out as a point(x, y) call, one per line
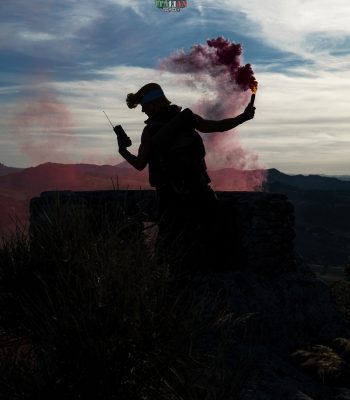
point(123, 139)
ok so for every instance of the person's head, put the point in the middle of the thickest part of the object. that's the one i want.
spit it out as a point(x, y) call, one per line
point(151, 98)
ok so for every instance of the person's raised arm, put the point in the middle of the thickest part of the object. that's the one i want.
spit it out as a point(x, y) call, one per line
point(141, 160)
point(208, 126)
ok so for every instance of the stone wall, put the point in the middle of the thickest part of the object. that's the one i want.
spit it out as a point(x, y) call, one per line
point(262, 225)
point(254, 230)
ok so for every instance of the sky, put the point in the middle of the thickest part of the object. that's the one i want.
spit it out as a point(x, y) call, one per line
point(65, 61)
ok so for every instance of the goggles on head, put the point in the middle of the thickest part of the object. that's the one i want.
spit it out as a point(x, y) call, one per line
point(152, 95)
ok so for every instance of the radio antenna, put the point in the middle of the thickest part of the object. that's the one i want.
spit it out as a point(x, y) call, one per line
point(108, 120)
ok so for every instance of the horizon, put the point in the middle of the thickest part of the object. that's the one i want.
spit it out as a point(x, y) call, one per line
point(209, 170)
point(63, 63)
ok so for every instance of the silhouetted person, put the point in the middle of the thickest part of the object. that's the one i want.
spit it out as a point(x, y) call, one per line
point(174, 153)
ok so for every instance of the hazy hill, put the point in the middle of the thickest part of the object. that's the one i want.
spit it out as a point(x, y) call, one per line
point(343, 177)
point(4, 170)
point(322, 215)
point(322, 204)
point(52, 176)
point(340, 177)
point(17, 188)
point(307, 182)
point(322, 221)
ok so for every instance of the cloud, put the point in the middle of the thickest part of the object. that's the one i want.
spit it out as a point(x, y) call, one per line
point(71, 36)
point(96, 52)
point(309, 28)
point(137, 6)
point(45, 29)
point(36, 36)
point(301, 123)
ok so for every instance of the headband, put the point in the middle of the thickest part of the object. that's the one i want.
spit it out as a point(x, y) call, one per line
point(152, 95)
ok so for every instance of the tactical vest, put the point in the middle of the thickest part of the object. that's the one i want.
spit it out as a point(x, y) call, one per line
point(183, 160)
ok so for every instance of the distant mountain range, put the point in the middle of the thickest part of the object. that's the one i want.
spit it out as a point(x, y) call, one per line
point(4, 170)
point(322, 203)
point(129, 176)
point(340, 177)
point(322, 215)
point(308, 182)
point(343, 177)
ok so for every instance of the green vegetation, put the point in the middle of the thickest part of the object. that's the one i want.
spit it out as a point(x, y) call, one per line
point(87, 310)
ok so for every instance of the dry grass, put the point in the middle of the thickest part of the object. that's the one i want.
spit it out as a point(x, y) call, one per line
point(331, 362)
point(88, 311)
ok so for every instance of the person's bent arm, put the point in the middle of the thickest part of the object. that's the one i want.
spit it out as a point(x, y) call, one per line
point(141, 160)
point(208, 126)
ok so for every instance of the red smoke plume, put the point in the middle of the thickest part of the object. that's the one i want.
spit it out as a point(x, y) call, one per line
point(216, 69)
point(43, 127)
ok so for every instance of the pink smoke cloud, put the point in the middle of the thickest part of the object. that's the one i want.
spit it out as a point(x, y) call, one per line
point(43, 126)
point(216, 68)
